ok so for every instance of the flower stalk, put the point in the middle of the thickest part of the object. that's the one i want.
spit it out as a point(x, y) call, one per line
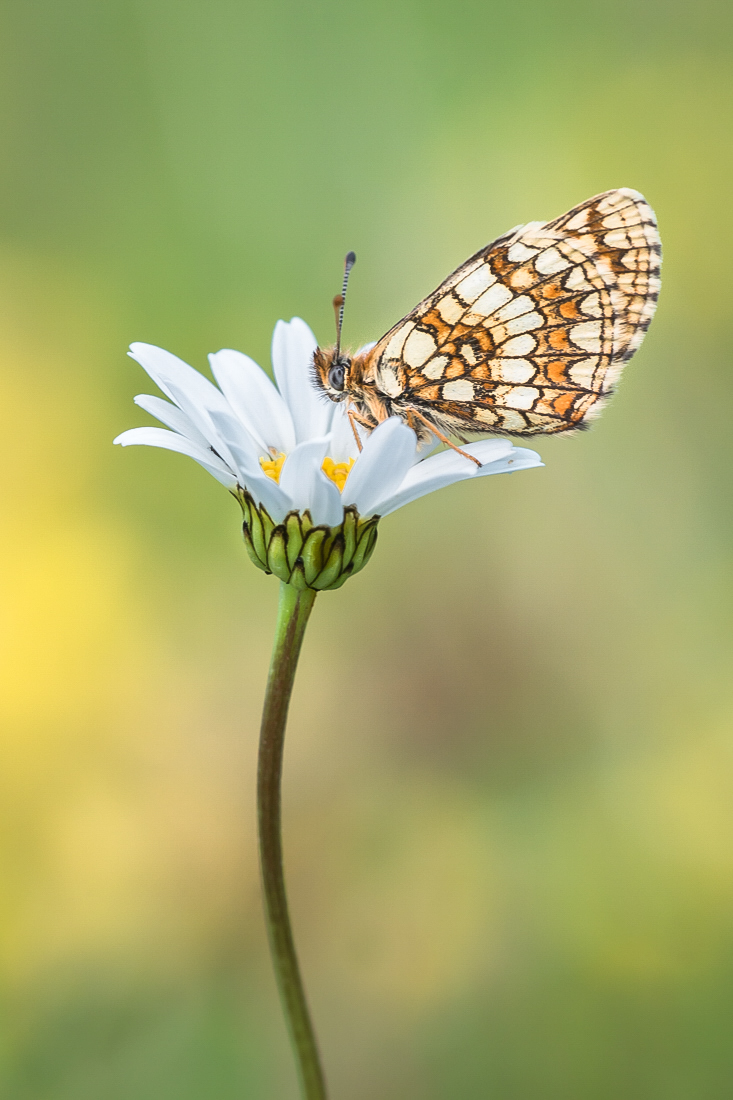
point(293, 613)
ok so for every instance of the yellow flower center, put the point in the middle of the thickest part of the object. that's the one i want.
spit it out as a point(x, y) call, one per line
point(336, 471)
point(273, 466)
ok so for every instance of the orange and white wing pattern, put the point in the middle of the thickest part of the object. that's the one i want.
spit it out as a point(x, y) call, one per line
point(531, 334)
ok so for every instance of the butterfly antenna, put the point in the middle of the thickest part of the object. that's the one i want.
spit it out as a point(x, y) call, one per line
point(338, 302)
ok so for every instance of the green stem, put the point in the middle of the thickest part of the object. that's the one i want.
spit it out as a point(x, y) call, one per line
point(292, 618)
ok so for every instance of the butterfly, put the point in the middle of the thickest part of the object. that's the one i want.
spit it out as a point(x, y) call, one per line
point(528, 336)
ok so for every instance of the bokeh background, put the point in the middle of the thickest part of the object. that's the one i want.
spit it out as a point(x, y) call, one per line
point(509, 772)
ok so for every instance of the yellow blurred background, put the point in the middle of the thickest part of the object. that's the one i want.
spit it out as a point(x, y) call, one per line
point(509, 771)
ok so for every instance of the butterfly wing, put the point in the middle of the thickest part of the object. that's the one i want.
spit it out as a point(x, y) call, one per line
point(531, 334)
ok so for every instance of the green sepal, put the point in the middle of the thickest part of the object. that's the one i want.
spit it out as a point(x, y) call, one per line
point(297, 577)
point(341, 580)
point(246, 507)
point(365, 547)
point(249, 547)
point(277, 553)
point(332, 568)
point(258, 537)
point(312, 553)
point(267, 524)
point(348, 529)
point(294, 537)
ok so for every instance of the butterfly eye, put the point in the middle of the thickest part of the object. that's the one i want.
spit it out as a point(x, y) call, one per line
point(336, 376)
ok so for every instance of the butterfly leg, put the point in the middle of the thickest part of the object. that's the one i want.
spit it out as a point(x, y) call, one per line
point(355, 419)
point(443, 439)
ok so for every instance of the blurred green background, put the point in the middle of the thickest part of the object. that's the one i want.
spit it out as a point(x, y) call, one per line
point(509, 775)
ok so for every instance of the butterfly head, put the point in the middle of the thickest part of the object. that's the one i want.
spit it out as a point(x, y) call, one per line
point(331, 372)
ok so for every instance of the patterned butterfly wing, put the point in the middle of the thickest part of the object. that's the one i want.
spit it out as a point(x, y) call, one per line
point(531, 334)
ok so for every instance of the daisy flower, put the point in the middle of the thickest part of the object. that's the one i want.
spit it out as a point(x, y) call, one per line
point(311, 498)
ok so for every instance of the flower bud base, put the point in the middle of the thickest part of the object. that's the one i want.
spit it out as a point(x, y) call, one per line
point(303, 554)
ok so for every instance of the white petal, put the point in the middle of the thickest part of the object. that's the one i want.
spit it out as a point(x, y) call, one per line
point(343, 444)
point(172, 416)
point(268, 492)
point(254, 399)
point(443, 469)
point(164, 368)
point(498, 456)
point(293, 345)
point(326, 505)
point(171, 441)
point(520, 459)
point(219, 427)
point(239, 443)
point(380, 469)
point(485, 450)
point(193, 393)
point(308, 487)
